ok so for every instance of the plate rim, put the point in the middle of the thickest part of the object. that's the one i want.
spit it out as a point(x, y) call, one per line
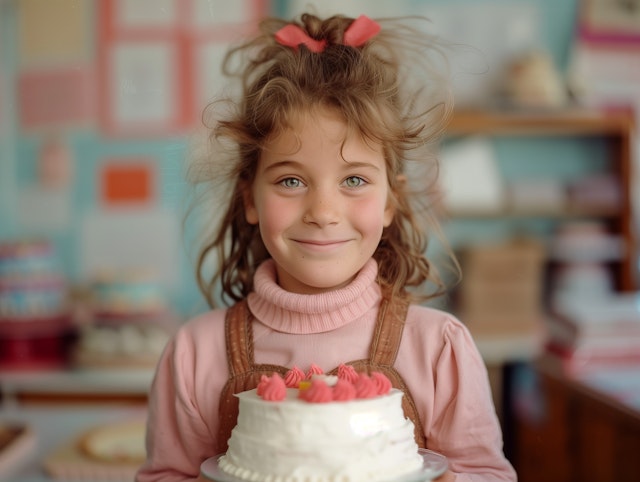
point(210, 469)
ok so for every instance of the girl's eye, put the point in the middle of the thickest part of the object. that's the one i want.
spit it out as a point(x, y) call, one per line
point(354, 181)
point(291, 182)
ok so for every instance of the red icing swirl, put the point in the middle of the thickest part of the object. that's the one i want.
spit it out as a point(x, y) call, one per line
point(365, 387)
point(381, 382)
point(344, 391)
point(348, 373)
point(318, 392)
point(293, 377)
point(274, 390)
point(314, 370)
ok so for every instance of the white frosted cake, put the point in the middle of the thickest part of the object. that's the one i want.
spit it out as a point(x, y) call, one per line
point(328, 429)
point(31, 282)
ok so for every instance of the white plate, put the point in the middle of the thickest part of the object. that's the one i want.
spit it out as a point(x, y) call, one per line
point(434, 465)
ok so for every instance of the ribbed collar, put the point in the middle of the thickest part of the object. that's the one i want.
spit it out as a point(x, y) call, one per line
point(303, 314)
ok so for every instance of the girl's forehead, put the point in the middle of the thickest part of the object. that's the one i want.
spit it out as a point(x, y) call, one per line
point(313, 124)
point(318, 122)
point(312, 116)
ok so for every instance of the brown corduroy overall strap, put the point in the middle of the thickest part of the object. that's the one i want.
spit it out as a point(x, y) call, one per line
point(244, 374)
point(382, 356)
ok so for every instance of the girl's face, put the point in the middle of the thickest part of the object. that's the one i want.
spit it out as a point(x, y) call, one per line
point(321, 200)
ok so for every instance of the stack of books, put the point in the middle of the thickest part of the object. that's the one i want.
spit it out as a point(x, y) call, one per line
point(590, 334)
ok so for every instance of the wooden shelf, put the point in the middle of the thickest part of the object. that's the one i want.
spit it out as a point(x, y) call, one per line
point(547, 123)
point(75, 385)
point(617, 127)
point(496, 350)
point(560, 213)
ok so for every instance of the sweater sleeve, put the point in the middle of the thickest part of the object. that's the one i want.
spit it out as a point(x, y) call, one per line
point(179, 426)
point(465, 426)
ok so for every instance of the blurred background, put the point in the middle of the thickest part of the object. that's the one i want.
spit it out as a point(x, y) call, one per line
point(100, 109)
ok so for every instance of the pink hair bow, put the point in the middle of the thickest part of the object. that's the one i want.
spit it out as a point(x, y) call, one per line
point(360, 31)
point(357, 34)
point(292, 36)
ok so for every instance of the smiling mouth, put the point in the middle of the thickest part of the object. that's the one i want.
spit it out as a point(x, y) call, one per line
point(320, 245)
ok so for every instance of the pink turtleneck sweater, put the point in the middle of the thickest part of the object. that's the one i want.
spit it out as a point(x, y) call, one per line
point(437, 359)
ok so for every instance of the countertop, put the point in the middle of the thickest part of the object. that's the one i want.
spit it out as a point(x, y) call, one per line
point(59, 406)
point(124, 382)
point(55, 426)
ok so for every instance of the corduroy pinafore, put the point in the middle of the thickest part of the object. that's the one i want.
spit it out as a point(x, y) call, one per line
point(244, 374)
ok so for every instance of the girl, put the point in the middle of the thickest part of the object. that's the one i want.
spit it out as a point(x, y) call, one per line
point(319, 232)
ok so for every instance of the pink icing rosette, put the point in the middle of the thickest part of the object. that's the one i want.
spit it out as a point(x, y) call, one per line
point(365, 387)
point(275, 389)
point(344, 391)
point(348, 373)
point(293, 377)
point(318, 392)
point(264, 381)
point(318, 388)
point(314, 370)
point(381, 382)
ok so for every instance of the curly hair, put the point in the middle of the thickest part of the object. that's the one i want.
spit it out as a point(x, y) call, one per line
point(390, 90)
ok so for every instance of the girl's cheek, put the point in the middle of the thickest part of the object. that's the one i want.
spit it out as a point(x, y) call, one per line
point(278, 210)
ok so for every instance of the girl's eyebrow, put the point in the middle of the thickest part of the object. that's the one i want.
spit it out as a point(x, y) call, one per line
point(363, 164)
point(292, 163)
point(284, 163)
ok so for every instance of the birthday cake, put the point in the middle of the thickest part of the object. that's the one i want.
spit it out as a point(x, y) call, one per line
point(31, 283)
point(126, 293)
point(350, 427)
point(35, 320)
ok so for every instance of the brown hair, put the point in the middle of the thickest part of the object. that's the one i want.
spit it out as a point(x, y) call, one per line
point(374, 89)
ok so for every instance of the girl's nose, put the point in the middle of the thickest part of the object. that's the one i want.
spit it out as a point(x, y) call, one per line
point(322, 208)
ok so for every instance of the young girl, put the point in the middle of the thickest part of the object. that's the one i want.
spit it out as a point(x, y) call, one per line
point(319, 236)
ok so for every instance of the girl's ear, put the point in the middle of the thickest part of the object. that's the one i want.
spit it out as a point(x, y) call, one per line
point(390, 209)
point(389, 212)
point(250, 211)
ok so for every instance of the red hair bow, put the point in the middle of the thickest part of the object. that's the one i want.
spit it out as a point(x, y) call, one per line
point(357, 34)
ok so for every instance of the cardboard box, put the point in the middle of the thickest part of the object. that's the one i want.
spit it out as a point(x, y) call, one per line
point(501, 291)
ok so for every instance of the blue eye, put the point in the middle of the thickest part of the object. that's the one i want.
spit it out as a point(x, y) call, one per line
point(354, 181)
point(291, 182)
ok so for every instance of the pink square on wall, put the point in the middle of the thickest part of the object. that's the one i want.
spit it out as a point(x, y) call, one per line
point(149, 85)
point(55, 97)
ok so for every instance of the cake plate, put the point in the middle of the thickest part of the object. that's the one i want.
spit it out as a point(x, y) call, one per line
point(433, 466)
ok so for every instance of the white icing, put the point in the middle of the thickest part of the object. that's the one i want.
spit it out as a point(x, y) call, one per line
point(330, 380)
point(294, 441)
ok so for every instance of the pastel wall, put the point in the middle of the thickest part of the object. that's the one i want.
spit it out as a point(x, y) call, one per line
point(70, 37)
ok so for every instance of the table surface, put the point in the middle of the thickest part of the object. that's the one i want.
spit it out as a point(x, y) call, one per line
point(106, 381)
point(54, 426)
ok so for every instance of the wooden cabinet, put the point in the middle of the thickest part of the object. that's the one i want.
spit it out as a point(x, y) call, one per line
point(581, 435)
point(613, 130)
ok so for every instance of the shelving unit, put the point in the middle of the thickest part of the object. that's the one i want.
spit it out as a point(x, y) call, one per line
point(614, 131)
point(615, 126)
